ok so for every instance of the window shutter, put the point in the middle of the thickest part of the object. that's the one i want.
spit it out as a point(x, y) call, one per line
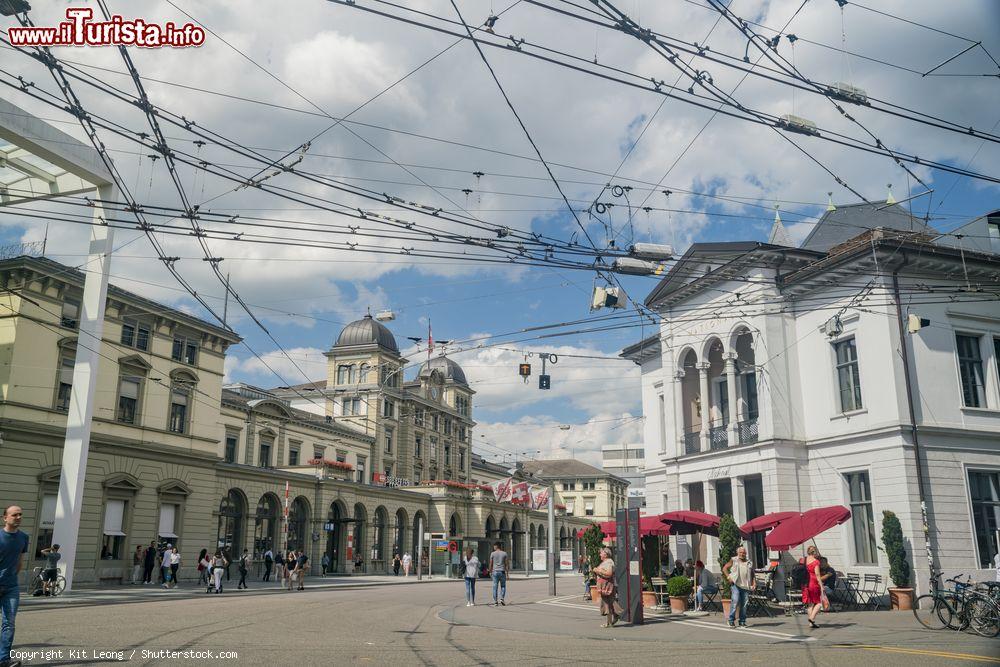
point(48, 517)
point(168, 514)
point(114, 515)
point(130, 388)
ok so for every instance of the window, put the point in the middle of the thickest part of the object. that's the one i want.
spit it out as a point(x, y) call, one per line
point(230, 452)
point(461, 458)
point(185, 350)
point(996, 354)
point(418, 449)
point(569, 486)
point(167, 531)
point(570, 506)
point(70, 316)
point(46, 523)
point(970, 368)
point(293, 456)
point(436, 423)
point(434, 447)
point(724, 497)
point(589, 486)
point(114, 537)
point(67, 360)
point(993, 228)
point(461, 433)
point(343, 374)
point(180, 395)
point(317, 453)
point(388, 408)
point(862, 518)
point(264, 461)
point(350, 406)
point(447, 453)
point(341, 457)
point(363, 372)
point(360, 468)
point(447, 427)
point(984, 488)
point(750, 394)
point(388, 377)
point(588, 507)
point(462, 405)
point(129, 387)
point(848, 379)
point(388, 441)
point(418, 417)
point(135, 334)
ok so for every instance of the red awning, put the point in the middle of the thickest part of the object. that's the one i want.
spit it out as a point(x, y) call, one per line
point(796, 530)
point(648, 525)
point(766, 522)
point(688, 522)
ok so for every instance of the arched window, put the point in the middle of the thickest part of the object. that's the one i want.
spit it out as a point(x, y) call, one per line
point(363, 376)
point(265, 526)
point(344, 372)
point(453, 526)
point(516, 545)
point(399, 535)
point(298, 523)
point(232, 511)
point(378, 537)
point(334, 537)
point(360, 526)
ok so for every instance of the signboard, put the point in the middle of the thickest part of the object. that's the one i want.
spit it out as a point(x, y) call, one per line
point(440, 546)
point(350, 547)
point(453, 546)
point(328, 526)
point(382, 479)
point(538, 560)
point(565, 560)
point(628, 549)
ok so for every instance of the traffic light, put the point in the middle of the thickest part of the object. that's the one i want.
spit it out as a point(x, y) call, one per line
point(544, 381)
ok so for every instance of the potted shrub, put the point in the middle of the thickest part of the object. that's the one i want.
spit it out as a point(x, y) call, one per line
point(901, 594)
point(725, 594)
point(648, 594)
point(593, 540)
point(679, 590)
point(729, 542)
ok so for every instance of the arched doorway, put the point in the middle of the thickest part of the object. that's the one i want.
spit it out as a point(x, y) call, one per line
point(491, 528)
point(298, 524)
point(562, 537)
point(542, 544)
point(399, 534)
point(531, 536)
point(232, 511)
point(454, 526)
point(505, 534)
point(378, 540)
point(516, 545)
point(265, 525)
point(360, 526)
point(335, 536)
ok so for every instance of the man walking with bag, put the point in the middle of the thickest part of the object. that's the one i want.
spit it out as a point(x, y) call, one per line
point(739, 573)
point(499, 567)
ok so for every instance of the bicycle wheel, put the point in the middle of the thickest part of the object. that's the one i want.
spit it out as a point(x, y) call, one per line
point(984, 616)
point(931, 612)
point(58, 586)
point(956, 618)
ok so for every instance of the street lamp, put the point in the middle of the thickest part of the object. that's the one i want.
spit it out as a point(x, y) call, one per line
point(550, 561)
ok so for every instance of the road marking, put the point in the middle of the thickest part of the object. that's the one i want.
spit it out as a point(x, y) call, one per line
point(914, 651)
point(769, 634)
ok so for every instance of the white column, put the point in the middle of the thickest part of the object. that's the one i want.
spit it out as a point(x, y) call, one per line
point(81, 403)
point(734, 412)
point(706, 403)
point(679, 412)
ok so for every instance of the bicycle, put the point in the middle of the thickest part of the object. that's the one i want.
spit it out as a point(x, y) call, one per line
point(958, 608)
point(57, 586)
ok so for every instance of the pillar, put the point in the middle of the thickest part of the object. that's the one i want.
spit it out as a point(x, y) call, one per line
point(679, 428)
point(706, 403)
point(735, 412)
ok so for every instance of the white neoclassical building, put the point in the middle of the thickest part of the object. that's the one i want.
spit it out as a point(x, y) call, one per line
point(776, 382)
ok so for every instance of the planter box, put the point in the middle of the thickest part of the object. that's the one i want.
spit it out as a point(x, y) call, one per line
point(726, 602)
point(648, 599)
point(901, 599)
point(678, 605)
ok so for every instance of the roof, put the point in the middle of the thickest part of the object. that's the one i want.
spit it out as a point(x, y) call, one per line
point(646, 349)
point(448, 368)
point(367, 331)
point(242, 401)
point(74, 276)
point(846, 222)
point(551, 468)
point(305, 386)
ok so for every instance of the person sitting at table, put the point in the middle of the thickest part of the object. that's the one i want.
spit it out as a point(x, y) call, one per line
point(678, 570)
point(827, 575)
point(705, 585)
point(689, 568)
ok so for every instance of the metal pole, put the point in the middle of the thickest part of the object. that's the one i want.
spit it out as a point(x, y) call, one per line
point(76, 447)
point(552, 540)
point(420, 547)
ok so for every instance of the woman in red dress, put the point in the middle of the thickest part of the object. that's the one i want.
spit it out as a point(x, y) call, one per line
point(812, 593)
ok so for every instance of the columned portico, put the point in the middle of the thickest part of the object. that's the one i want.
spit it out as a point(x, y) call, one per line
point(706, 414)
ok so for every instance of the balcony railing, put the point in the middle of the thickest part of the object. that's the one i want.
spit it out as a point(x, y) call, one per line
point(718, 437)
point(748, 431)
point(692, 442)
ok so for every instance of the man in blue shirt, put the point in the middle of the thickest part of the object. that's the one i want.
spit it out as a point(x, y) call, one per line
point(13, 545)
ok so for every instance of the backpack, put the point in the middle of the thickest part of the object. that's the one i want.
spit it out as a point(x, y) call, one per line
point(800, 576)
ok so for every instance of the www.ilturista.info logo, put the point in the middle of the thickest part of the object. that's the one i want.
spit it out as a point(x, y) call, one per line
point(81, 30)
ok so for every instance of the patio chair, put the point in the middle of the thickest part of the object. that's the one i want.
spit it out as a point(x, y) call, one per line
point(852, 584)
point(660, 590)
point(793, 603)
point(761, 596)
point(874, 590)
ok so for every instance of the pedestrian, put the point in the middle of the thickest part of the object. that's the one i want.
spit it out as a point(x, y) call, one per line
point(165, 566)
point(739, 573)
point(268, 564)
point(290, 563)
point(585, 571)
point(204, 568)
point(137, 565)
point(219, 564)
point(703, 579)
point(471, 565)
point(244, 566)
point(301, 567)
point(51, 571)
point(605, 573)
point(229, 559)
point(148, 563)
point(175, 565)
point(13, 546)
point(407, 563)
point(325, 563)
point(812, 593)
point(499, 567)
point(397, 562)
point(678, 570)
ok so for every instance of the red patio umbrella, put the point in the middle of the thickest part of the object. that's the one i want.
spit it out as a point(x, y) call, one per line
point(688, 522)
point(648, 525)
point(794, 531)
point(766, 522)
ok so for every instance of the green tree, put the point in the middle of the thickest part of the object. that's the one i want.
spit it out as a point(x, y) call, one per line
point(895, 550)
point(729, 539)
point(593, 540)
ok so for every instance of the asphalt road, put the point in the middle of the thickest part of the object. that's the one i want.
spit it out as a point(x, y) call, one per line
point(429, 624)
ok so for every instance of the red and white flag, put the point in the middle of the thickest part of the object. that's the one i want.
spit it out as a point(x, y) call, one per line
point(503, 490)
point(520, 495)
point(539, 497)
point(430, 340)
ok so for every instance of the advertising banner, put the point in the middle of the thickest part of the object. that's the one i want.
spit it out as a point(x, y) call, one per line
point(538, 560)
point(565, 560)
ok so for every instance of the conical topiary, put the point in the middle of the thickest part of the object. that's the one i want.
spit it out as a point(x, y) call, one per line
point(895, 550)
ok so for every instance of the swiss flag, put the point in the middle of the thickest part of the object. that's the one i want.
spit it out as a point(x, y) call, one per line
point(520, 494)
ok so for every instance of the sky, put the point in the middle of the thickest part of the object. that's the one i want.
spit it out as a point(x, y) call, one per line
point(427, 116)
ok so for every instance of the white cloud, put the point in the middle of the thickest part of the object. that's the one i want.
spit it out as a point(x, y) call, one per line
point(291, 367)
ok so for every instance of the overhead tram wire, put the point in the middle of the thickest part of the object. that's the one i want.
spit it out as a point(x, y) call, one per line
point(757, 117)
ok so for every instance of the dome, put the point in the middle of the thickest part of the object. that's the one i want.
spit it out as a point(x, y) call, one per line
point(367, 331)
point(448, 368)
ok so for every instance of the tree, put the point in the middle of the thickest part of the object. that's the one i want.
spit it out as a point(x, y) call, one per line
point(729, 539)
point(593, 540)
point(895, 550)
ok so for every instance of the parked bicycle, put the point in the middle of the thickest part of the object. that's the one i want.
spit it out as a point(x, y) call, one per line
point(56, 586)
point(959, 608)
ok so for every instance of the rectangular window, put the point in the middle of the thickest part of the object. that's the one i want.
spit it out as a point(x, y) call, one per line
point(70, 316)
point(293, 456)
point(350, 406)
point(436, 423)
point(461, 433)
point(447, 453)
point(167, 531)
point(46, 524)
point(589, 486)
point(265, 453)
point(588, 507)
point(388, 409)
point(862, 518)
point(360, 468)
point(114, 537)
point(343, 374)
point(230, 453)
point(750, 395)
point(388, 441)
point(135, 334)
point(66, 363)
point(570, 505)
point(569, 486)
point(461, 458)
point(418, 417)
point(418, 448)
point(970, 368)
point(434, 447)
point(993, 227)
point(341, 457)
point(447, 427)
point(185, 350)
point(128, 398)
point(984, 489)
point(724, 497)
point(179, 396)
point(848, 378)
point(317, 453)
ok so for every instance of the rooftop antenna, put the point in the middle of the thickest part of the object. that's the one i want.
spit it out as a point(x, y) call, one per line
point(829, 202)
